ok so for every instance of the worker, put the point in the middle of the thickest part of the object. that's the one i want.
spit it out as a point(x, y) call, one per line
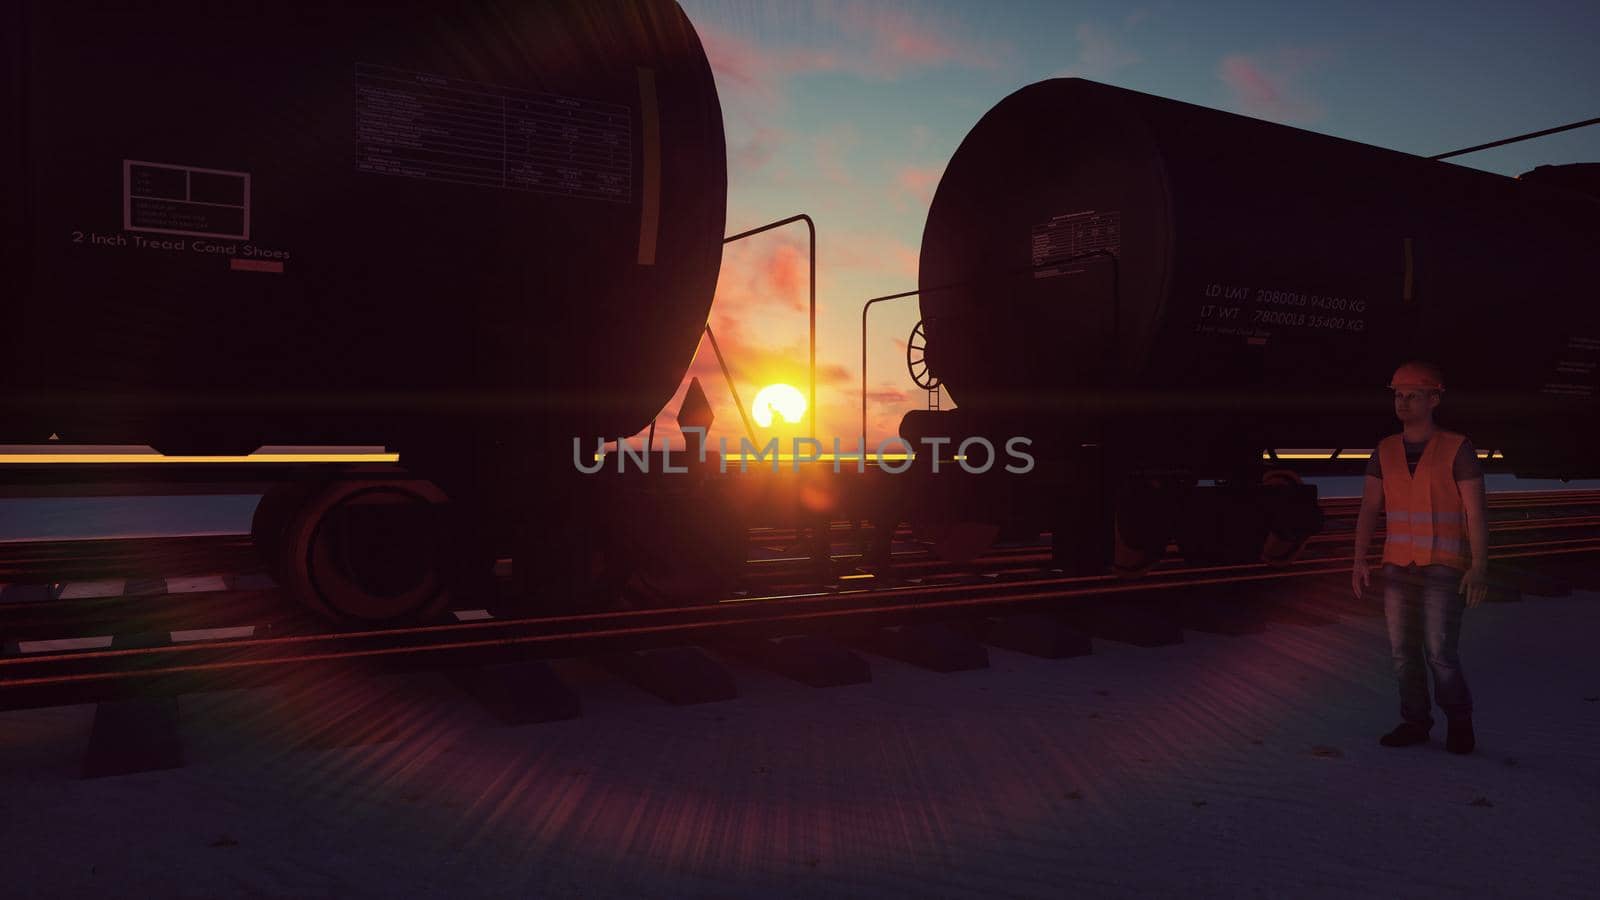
point(1430, 487)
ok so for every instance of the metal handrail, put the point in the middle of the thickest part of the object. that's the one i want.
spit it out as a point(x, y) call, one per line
point(864, 307)
point(1116, 311)
point(811, 229)
point(738, 404)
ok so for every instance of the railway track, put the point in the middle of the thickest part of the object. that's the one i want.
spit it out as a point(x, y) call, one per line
point(133, 646)
point(232, 631)
point(36, 562)
point(201, 604)
point(144, 563)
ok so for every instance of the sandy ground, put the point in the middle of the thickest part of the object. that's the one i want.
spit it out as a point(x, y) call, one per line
point(1226, 766)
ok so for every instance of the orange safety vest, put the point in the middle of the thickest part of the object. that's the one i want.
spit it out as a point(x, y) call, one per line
point(1423, 512)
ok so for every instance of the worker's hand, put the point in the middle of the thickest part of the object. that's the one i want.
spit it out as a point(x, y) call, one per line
point(1475, 584)
point(1359, 578)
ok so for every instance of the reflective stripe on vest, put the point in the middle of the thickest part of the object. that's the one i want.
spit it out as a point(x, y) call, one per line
point(1423, 514)
point(1403, 516)
point(1453, 545)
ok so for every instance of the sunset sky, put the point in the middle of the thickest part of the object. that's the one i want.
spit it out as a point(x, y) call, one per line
point(849, 109)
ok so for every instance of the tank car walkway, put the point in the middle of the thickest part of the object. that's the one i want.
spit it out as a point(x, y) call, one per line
point(1222, 766)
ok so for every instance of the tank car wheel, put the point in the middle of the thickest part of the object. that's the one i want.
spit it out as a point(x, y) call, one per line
point(273, 514)
point(368, 551)
point(1279, 549)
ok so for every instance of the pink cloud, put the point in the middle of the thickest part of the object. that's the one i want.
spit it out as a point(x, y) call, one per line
point(868, 40)
point(786, 270)
point(763, 276)
point(752, 153)
point(735, 61)
point(753, 77)
point(918, 182)
point(747, 66)
point(875, 42)
point(1099, 54)
point(874, 253)
point(828, 153)
point(900, 40)
point(907, 260)
point(1268, 87)
point(835, 374)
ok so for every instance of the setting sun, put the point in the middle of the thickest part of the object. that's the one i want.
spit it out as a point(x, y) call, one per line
point(786, 401)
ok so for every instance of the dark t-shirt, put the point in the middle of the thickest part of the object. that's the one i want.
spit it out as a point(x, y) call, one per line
point(1464, 468)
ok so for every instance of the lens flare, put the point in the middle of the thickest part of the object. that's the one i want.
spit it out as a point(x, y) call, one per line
point(781, 399)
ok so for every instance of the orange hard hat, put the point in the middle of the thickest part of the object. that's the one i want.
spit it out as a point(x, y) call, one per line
point(1417, 375)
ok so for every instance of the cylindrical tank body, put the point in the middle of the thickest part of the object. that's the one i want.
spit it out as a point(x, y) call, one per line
point(1204, 284)
point(228, 225)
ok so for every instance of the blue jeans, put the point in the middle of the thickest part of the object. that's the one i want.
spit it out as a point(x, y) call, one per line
point(1423, 608)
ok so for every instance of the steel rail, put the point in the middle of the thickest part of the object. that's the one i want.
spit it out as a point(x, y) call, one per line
point(212, 663)
point(192, 554)
point(1070, 583)
point(264, 607)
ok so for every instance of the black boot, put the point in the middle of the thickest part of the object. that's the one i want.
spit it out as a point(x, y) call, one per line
point(1460, 739)
point(1404, 735)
